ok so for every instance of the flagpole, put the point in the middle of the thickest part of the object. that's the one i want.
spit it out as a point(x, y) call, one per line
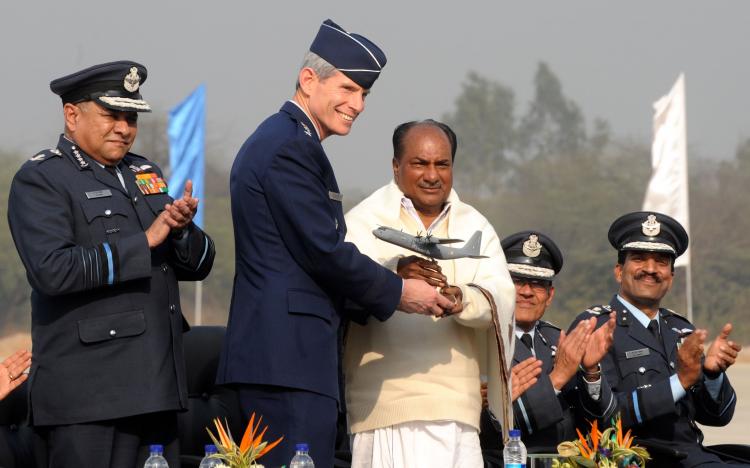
point(199, 303)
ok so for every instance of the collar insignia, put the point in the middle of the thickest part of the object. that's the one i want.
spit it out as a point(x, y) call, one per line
point(532, 247)
point(307, 129)
point(81, 162)
point(651, 227)
point(56, 152)
point(132, 80)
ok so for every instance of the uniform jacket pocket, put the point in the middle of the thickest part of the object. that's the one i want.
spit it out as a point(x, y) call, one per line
point(105, 208)
point(639, 371)
point(309, 303)
point(110, 327)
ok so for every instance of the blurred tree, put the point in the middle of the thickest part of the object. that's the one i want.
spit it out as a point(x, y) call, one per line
point(485, 125)
point(553, 125)
point(720, 221)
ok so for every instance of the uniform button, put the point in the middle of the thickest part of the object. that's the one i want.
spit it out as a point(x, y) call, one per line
point(642, 370)
point(172, 308)
point(135, 199)
point(164, 268)
point(113, 332)
point(671, 364)
point(107, 212)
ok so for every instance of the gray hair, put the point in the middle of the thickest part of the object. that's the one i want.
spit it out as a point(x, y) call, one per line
point(321, 68)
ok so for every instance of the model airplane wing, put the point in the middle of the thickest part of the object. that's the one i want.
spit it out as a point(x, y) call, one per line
point(430, 239)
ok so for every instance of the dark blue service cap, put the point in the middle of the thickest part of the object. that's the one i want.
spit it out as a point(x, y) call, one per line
point(353, 55)
point(648, 231)
point(531, 254)
point(114, 85)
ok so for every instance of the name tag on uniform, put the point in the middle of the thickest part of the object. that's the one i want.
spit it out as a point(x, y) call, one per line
point(99, 194)
point(637, 353)
point(335, 196)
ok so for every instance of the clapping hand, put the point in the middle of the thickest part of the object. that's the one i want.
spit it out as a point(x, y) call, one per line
point(11, 371)
point(722, 353)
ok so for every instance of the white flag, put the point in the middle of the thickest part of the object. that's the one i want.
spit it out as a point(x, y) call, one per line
point(667, 190)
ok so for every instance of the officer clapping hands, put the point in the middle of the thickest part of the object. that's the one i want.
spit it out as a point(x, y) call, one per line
point(599, 344)
point(524, 375)
point(175, 217)
point(689, 358)
point(570, 350)
point(722, 353)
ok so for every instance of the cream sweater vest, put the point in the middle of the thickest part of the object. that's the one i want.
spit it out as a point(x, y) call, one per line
point(414, 367)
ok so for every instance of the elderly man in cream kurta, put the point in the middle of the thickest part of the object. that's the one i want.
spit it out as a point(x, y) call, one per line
point(412, 387)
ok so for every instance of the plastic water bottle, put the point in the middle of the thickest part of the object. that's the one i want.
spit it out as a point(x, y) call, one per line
point(156, 458)
point(301, 459)
point(210, 462)
point(514, 453)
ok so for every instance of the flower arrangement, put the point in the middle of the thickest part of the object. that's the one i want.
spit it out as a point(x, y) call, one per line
point(251, 446)
point(608, 449)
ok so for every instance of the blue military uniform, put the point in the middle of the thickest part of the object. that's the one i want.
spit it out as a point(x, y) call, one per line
point(544, 417)
point(639, 371)
point(635, 384)
point(294, 270)
point(106, 319)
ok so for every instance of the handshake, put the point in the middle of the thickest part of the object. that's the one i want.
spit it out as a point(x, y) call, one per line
point(426, 290)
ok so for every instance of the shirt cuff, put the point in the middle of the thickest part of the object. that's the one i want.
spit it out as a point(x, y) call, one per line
point(714, 385)
point(594, 389)
point(677, 391)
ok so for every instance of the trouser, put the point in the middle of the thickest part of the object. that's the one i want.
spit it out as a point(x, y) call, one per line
point(116, 443)
point(298, 415)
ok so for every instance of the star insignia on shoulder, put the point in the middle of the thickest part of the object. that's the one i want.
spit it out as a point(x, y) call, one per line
point(307, 129)
point(596, 310)
point(38, 157)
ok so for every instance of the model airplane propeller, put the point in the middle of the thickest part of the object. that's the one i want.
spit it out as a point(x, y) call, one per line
point(431, 246)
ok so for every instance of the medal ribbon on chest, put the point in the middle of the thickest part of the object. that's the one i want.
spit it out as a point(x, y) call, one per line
point(150, 183)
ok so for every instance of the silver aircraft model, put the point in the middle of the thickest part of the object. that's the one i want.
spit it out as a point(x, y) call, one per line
point(431, 246)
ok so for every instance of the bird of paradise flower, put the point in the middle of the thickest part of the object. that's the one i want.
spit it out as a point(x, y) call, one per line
point(251, 446)
point(607, 449)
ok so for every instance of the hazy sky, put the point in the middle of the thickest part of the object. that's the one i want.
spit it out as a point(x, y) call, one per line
point(613, 59)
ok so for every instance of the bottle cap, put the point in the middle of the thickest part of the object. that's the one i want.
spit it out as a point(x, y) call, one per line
point(303, 447)
point(515, 433)
point(211, 448)
point(156, 448)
